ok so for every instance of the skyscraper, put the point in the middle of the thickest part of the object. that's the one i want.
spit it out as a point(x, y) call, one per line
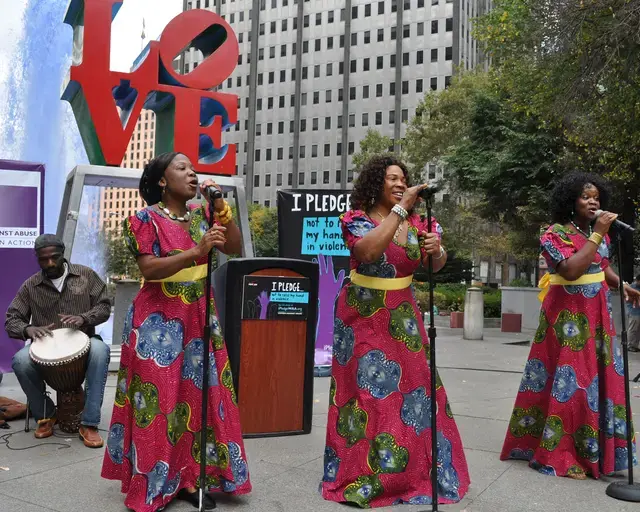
point(314, 76)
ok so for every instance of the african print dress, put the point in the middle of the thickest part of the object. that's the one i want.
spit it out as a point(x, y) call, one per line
point(378, 449)
point(153, 446)
point(569, 415)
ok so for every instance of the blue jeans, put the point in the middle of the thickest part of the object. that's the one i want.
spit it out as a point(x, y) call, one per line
point(96, 378)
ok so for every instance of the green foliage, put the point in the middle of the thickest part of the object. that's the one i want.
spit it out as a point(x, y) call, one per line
point(263, 223)
point(120, 262)
point(373, 143)
point(450, 298)
point(521, 283)
point(492, 304)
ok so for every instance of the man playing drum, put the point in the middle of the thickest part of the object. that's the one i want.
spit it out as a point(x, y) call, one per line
point(62, 295)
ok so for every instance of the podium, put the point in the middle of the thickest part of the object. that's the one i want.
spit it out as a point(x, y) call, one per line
point(267, 308)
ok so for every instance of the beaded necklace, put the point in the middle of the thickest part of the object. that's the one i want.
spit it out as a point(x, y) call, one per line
point(185, 218)
point(582, 232)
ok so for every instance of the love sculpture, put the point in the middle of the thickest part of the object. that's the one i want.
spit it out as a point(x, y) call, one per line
point(190, 117)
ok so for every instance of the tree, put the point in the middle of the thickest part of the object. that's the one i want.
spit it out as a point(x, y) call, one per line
point(263, 223)
point(575, 66)
point(373, 143)
point(120, 261)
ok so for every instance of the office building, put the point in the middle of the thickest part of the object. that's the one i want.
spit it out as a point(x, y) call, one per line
point(313, 76)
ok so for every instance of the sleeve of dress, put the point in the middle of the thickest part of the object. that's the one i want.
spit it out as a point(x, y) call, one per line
point(355, 224)
point(423, 226)
point(555, 248)
point(140, 234)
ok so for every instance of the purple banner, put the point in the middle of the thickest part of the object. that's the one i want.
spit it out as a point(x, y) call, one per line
point(21, 221)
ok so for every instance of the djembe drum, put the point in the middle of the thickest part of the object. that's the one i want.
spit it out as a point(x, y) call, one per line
point(62, 361)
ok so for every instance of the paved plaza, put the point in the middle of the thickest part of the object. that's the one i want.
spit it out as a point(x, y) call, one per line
point(481, 378)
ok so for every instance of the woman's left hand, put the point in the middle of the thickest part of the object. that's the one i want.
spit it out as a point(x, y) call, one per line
point(631, 295)
point(218, 203)
point(430, 242)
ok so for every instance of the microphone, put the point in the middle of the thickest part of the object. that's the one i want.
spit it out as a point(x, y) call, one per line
point(622, 226)
point(214, 193)
point(428, 192)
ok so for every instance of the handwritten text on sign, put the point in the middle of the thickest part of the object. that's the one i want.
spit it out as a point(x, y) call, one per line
point(322, 235)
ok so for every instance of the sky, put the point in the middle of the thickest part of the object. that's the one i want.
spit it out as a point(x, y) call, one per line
point(127, 28)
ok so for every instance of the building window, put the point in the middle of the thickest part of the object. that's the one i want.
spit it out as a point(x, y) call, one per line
point(405, 115)
point(381, 7)
point(315, 124)
point(378, 90)
point(314, 151)
point(256, 181)
point(392, 60)
point(406, 31)
point(392, 89)
point(405, 87)
point(354, 39)
point(448, 53)
point(352, 120)
point(392, 116)
point(317, 45)
point(379, 62)
point(405, 59)
point(380, 35)
point(434, 27)
point(434, 55)
point(421, 29)
point(325, 177)
point(419, 57)
point(330, 17)
point(365, 64)
point(328, 96)
point(267, 181)
point(449, 25)
point(327, 123)
point(447, 81)
point(378, 118)
point(419, 85)
point(434, 83)
point(327, 150)
point(365, 119)
point(318, 18)
point(278, 180)
point(393, 33)
point(354, 66)
point(301, 178)
point(365, 92)
point(338, 176)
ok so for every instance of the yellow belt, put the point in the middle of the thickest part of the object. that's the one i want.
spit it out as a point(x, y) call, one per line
point(555, 279)
point(185, 275)
point(381, 283)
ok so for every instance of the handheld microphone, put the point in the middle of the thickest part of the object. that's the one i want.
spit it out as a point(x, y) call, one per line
point(622, 226)
point(214, 193)
point(428, 192)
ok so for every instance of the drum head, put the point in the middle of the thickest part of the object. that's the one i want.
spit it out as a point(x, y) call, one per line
point(64, 345)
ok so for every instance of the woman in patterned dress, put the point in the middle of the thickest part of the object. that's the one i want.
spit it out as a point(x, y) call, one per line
point(569, 415)
point(153, 446)
point(378, 449)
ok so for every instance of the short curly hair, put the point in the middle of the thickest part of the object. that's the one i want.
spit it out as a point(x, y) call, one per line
point(368, 186)
point(567, 191)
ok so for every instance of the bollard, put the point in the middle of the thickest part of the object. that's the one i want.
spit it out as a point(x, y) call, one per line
point(473, 314)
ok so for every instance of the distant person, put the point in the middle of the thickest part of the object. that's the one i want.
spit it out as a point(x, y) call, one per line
point(633, 310)
point(154, 440)
point(378, 448)
point(60, 295)
point(569, 415)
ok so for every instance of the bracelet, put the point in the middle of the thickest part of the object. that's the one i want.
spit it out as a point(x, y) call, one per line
point(596, 238)
point(442, 253)
point(226, 215)
point(400, 211)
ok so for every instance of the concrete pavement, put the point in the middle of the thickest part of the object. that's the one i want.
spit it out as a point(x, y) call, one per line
point(481, 378)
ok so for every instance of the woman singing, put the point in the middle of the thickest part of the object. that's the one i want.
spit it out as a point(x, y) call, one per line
point(153, 446)
point(569, 415)
point(379, 424)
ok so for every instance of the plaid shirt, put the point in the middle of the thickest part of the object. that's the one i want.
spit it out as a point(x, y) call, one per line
point(39, 302)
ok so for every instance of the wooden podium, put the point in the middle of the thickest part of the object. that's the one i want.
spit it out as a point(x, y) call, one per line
point(267, 309)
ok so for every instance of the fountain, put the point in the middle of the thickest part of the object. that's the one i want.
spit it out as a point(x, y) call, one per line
point(35, 126)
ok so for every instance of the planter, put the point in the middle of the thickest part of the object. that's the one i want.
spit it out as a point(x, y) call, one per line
point(511, 322)
point(456, 320)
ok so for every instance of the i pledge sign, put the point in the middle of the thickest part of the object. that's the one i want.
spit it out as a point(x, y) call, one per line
point(309, 228)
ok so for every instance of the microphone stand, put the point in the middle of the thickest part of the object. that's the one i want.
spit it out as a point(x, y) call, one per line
point(427, 195)
point(205, 367)
point(625, 491)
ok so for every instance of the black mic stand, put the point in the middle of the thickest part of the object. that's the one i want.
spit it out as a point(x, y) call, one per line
point(427, 195)
point(205, 367)
point(625, 491)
